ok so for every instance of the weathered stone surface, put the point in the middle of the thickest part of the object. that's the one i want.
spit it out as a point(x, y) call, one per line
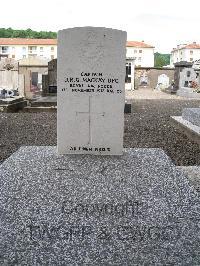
point(136, 209)
point(91, 90)
point(192, 115)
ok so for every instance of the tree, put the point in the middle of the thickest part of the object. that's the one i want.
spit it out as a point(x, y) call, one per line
point(161, 60)
point(28, 33)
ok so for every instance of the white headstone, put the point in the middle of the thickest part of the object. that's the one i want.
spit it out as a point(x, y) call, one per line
point(163, 82)
point(91, 91)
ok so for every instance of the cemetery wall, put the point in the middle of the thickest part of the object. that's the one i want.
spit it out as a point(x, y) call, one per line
point(152, 75)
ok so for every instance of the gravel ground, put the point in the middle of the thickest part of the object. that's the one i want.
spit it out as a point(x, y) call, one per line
point(147, 126)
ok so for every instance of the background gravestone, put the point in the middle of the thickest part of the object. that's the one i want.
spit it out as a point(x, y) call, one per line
point(187, 76)
point(144, 80)
point(91, 90)
point(163, 81)
point(9, 74)
point(33, 68)
point(49, 81)
point(179, 66)
point(10, 80)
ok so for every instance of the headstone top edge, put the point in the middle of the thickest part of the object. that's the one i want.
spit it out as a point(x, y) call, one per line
point(89, 28)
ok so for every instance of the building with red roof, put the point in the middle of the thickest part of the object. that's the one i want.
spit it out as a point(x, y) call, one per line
point(141, 53)
point(18, 48)
point(185, 52)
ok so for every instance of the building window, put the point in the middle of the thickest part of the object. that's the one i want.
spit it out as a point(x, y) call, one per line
point(140, 51)
point(41, 49)
point(191, 59)
point(191, 52)
point(139, 59)
point(13, 56)
point(135, 51)
point(188, 74)
point(24, 50)
point(4, 49)
point(52, 48)
point(32, 49)
point(24, 56)
point(52, 56)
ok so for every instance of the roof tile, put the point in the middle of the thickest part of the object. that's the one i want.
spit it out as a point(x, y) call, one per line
point(138, 44)
point(21, 41)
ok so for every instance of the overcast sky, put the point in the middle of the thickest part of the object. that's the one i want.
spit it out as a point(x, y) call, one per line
point(163, 24)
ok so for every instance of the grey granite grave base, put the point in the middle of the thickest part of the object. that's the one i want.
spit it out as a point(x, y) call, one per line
point(135, 209)
point(191, 130)
point(30, 109)
point(192, 115)
point(12, 100)
point(12, 104)
point(193, 173)
point(47, 101)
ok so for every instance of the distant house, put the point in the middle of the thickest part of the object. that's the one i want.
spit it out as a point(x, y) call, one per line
point(18, 48)
point(185, 52)
point(141, 53)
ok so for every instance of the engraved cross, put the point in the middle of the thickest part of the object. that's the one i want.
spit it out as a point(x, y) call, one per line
point(90, 114)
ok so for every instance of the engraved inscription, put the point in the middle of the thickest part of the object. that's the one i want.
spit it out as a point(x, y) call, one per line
point(91, 83)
